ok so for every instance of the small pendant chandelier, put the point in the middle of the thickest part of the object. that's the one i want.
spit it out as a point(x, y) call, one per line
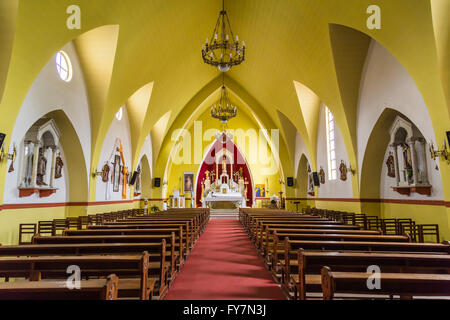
point(223, 51)
point(223, 109)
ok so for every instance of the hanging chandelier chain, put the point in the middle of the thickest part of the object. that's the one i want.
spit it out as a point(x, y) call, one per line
point(223, 50)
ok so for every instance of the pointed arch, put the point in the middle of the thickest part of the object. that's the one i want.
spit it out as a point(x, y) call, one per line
point(238, 160)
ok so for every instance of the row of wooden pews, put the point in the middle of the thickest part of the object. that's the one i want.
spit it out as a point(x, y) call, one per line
point(138, 255)
point(315, 255)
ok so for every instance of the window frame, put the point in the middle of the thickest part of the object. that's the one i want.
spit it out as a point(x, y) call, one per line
point(331, 144)
point(67, 70)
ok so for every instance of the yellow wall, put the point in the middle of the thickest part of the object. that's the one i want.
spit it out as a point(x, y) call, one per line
point(10, 219)
point(421, 214)
point(347, 206)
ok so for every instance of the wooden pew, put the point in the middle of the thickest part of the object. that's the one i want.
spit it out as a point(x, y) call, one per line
point(157, 266)
point(187, 231)
point(310, 263)
point(57, 290)
point(277, 244)
point(182, 245)
point(265, 243)
point(406, 285)
point(131, 269)
point(170, 245)
point(255, 225)
point(145, 224)
point(290, 252)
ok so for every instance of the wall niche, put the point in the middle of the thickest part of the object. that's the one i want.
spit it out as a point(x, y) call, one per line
point(409, 167)
point(41, 159)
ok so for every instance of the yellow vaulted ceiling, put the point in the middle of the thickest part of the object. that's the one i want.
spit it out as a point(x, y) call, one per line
point(159, 41)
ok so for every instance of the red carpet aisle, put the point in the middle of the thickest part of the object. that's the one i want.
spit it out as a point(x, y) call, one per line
point(224, 265)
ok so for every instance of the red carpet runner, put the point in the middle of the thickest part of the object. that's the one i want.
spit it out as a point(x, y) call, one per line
point(224, 266)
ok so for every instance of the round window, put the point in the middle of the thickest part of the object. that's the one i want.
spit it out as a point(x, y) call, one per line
point(63, 66)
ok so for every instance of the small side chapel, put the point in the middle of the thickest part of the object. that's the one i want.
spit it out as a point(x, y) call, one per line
point(41, 161)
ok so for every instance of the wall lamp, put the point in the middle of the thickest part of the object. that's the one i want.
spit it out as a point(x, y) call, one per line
point(8, 156)
point(444, 153)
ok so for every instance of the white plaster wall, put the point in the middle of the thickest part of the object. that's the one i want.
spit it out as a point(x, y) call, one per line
point(147, 151)
point(117, 130)
point(332, 188)
point(300, 148)
point(386, 84)
point(48, 93)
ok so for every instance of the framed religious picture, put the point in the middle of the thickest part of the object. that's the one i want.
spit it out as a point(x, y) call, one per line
point(116, 173)
point(188, 182)
point(260, 190)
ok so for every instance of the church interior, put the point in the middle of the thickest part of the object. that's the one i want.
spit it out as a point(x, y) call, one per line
point(301, 144)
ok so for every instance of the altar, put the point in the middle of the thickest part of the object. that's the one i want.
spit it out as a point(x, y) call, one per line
point(227, 191)
point(217, 200)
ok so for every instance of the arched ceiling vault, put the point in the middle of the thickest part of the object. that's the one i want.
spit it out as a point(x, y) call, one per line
point(159, 41)
point(202, 101)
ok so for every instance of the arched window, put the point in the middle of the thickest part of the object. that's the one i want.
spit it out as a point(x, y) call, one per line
point(63, 66)
point(119, 114)
point(331, 145)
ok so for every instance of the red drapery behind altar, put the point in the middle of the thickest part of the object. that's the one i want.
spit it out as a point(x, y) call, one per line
point(209, 164)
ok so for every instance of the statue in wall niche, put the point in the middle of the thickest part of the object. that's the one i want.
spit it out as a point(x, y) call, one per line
point(11, 167)
point(322, 175)
point(203, 187)
point(246, 191)
point(343, 170)
point(138, 179)
point(59, 164)
point(224, 164)
point(41, 168)
point(390, 163)
point(406, 150)
point(105, 173)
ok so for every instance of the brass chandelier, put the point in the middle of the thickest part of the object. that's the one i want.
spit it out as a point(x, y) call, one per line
point(223, 51)
point(223, 109)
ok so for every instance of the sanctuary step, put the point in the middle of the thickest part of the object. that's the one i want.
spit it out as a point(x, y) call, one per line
point(224, 214)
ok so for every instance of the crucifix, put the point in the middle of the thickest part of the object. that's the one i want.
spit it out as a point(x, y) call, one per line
point(124, 171)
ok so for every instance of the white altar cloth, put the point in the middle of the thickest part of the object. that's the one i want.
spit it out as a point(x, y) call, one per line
point(234, 197)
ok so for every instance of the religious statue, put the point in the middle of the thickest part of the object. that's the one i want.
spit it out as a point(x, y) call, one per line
point(224, 164)
point(138, 179)
point(322, 176)
point(41, 168)
point(245, 193)
point(105, 173)
point(407, 160)
point(213, 176)
point(390, 163)
point(343, 170)
point(203, 188)
point(59, 164)
point(11, 167)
